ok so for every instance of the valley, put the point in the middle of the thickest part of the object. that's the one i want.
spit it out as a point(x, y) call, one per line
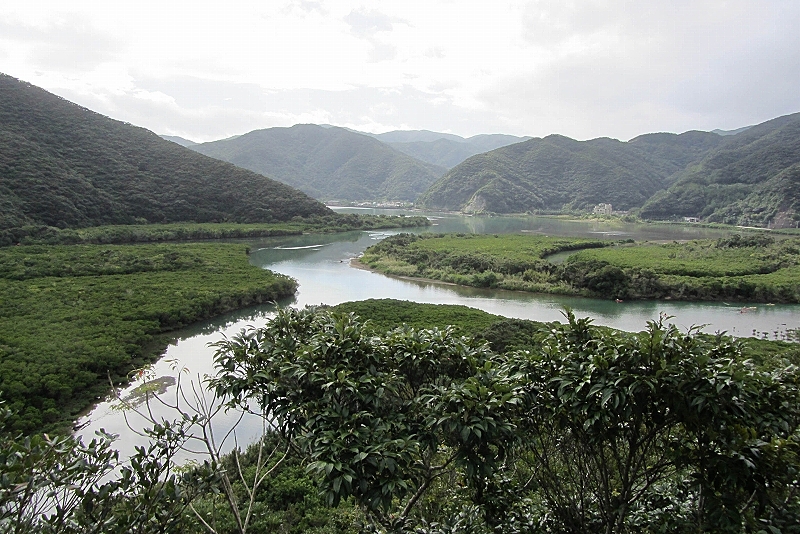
point(119, 246)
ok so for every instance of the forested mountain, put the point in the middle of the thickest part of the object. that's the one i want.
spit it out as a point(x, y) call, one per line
point(328, 163)
point(66, 166)
point(751, 178)
point(556, 173)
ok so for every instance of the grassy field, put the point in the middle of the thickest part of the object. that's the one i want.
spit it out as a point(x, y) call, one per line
point(749, 268)
point(504, 261)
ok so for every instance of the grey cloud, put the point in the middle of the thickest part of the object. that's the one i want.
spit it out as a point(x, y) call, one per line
point(304, 6)
point(69, 45)
point(550, 23)
point(649, 66)
point(203, 112)
point(365, 23)
point(193, 93)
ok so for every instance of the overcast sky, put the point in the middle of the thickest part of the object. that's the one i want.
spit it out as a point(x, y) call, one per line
point(616, 68)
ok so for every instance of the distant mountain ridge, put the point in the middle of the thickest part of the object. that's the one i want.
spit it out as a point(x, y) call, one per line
point(443, 149)
point(66, 166)
point(328, 163)
point(751, 178)
point(558, 173)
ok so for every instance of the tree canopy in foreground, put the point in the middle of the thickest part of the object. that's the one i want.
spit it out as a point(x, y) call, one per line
point(423, 429)
point(593, 431)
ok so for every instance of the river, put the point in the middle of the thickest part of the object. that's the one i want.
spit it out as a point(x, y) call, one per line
point(320, 263)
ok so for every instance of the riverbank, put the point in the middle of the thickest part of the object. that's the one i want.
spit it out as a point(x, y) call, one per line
point(176, 232)
point(753, 268)
point(74, 317)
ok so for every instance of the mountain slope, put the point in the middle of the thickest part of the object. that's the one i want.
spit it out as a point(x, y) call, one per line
point(64, 165)
point(328, 162)
point(557, 173)
point(751, 178)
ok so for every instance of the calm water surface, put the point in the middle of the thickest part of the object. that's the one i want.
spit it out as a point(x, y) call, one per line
point(320, 263)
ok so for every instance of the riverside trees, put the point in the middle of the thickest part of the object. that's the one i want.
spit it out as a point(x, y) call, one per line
point(595, 431)
point(589, 430)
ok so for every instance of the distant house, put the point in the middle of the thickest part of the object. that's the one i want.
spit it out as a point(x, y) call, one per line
point(602, 209)
point(691, 219)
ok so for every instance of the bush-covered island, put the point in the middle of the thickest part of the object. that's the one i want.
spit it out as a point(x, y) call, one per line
point(71, 316)
point(755, 268)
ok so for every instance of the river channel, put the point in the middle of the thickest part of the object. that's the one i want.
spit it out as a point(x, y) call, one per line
point(321, 265)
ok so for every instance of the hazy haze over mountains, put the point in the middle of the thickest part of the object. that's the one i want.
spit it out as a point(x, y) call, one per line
point(445, 150)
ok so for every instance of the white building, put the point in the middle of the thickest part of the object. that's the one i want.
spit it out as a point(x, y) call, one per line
point(602, 209)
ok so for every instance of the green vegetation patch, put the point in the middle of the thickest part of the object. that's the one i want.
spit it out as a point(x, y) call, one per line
point(148, 233)
point(71, 316)
point(385, 314)
point(502, 261)
point(750, 268)
point(698, 258)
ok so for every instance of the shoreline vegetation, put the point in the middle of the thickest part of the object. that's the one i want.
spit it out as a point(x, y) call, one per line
point(743, 268)
point(78, 309)
point(73, 317)
point(149, 233)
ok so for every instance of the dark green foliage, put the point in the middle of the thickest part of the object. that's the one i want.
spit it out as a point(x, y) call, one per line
point(146, 233)
point(59, 485)
point(752, 268)
point(587, 430)
point(752, 178)
point(557, 173)
point(288, 501)
point(623, 425)
point(327, 163)
point(386, 314)
point(62, 165)
point(381, 417)
point(70, 316)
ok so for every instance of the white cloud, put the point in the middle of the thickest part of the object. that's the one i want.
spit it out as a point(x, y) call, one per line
point(585, 68)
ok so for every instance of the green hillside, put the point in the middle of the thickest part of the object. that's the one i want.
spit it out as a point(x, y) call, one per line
point(752, 178)
point(63, 165)
point(558, 173)
point(328, 163)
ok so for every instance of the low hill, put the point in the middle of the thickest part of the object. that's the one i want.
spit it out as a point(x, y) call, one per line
point(63, 165)
point(558, 173)
point(751, 178)
point(328, 163)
